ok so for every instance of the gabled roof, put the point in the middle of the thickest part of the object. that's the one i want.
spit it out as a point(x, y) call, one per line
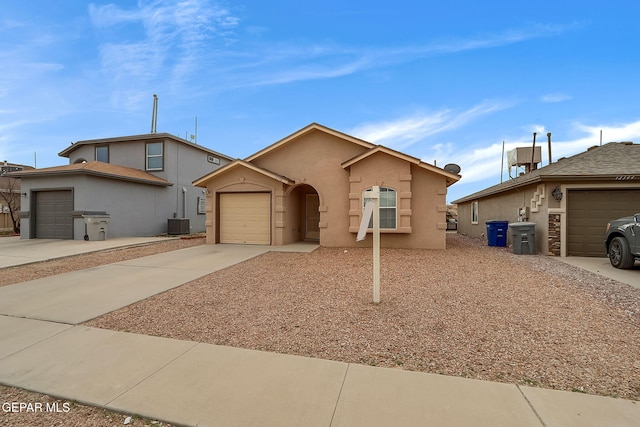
point(451, 177)
point(305, 130)
point(610, 162)
point(201, 182)
point(143, 137)
point(95, 168)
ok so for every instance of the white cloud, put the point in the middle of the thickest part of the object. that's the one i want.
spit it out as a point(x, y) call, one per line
point(504, 38)
point(555, 97)
point(404, 132)
point(618, 133)
point(482, 163)
point(173, 36)
point(271, 65)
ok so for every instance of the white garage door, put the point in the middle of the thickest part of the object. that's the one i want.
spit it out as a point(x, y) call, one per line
point(245, 218)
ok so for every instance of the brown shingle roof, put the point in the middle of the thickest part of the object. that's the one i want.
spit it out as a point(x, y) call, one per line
point(612, 161)
point(96, 168)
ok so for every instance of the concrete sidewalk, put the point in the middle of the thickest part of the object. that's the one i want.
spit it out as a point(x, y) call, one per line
point(190, 383)
point(43, 349)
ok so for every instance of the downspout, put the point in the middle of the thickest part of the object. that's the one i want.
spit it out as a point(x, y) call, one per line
point(184, 202)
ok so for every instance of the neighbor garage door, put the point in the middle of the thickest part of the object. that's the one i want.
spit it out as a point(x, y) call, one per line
point(53, 218)
point(245, 218)
point(588, 212)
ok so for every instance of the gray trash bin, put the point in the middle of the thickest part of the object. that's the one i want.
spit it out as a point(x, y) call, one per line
point(523, 237)
point(96, 226)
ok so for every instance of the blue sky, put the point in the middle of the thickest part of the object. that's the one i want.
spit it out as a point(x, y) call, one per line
point(443, 81)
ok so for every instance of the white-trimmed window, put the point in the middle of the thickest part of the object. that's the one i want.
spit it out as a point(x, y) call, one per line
point(155, 156)
point(388, 208)
point(102, 153)
point(474, 212)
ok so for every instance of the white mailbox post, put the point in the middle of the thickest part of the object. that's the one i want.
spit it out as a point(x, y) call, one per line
point(372, 208)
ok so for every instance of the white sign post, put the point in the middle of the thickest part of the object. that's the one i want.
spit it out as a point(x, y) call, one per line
point(372, 208)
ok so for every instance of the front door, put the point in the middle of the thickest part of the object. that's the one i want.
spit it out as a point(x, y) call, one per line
point(312, 217)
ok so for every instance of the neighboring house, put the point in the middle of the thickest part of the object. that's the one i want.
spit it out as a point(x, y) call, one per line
point(570, 200)
point(309, 186)
point(10, 197)
point(140, 181)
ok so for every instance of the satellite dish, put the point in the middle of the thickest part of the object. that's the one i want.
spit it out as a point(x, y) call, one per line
point(452, 167)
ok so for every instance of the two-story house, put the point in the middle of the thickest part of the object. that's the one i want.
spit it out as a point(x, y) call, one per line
point(140, 182)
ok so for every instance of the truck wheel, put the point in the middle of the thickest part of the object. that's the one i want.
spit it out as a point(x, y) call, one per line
point(619, 253)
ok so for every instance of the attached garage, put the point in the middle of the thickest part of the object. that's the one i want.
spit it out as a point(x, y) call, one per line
point(245, 218)
point(53, 214)
point(588, 212)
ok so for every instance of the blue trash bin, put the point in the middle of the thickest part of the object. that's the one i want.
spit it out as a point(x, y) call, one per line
point(497, 232)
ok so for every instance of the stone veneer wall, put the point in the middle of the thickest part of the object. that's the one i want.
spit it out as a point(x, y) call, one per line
point(554, 234)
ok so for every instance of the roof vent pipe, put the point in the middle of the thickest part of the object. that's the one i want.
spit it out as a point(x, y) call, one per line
point(532, 165)
point(549, 143)
point(154, 114)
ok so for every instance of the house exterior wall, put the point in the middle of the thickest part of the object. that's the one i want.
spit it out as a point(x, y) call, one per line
point(315, 159)
point(314, 163)
point(536, 198)
point(182, 164)
point(133, 208)
point(420, 203)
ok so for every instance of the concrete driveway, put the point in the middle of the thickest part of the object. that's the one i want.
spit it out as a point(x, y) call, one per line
point(17, 251)
point(603, 267)
point(78, 296)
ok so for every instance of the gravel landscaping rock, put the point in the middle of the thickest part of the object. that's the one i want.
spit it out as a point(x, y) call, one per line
point(471, 310)
point(41, 410)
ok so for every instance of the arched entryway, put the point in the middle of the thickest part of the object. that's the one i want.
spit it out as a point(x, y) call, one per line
point(303, 214)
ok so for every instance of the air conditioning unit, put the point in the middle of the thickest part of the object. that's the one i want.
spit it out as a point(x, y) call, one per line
point(177, 226)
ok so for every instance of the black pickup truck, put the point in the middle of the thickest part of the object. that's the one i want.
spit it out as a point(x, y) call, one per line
point(622, 241)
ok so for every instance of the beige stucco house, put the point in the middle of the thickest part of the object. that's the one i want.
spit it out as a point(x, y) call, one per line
point(570, 200)
point(309, 185)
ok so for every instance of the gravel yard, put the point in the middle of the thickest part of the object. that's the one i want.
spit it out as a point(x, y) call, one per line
point(471, 310)
point(63, 413)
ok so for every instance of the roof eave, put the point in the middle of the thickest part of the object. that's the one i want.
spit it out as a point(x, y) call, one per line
point(493, 191)
point(451, 178)
point(95, 173)
point(305, 130)
point(202, 182)
point(141, 137)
